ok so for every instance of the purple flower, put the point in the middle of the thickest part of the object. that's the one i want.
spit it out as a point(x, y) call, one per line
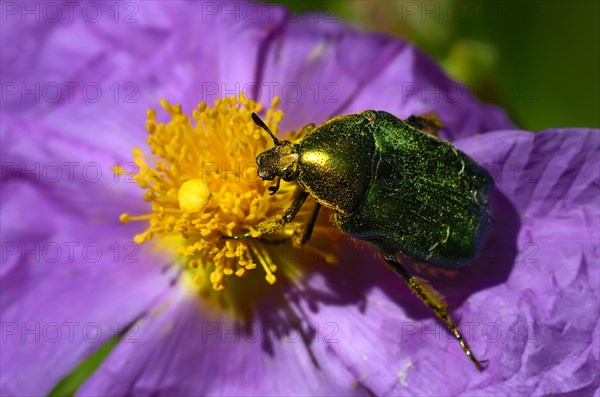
point(71, 277)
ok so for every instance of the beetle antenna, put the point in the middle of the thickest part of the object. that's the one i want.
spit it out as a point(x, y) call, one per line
point(274, 189)
point(262, 125)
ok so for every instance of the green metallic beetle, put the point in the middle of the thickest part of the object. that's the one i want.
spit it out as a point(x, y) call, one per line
point(408, 193)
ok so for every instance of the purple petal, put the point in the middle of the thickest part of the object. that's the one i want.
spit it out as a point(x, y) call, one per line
point(317, 65)
point(321, 68)
point(412, 84)
point(99, 87)
point(529, 304)
point(182, 348)
point(68, 265)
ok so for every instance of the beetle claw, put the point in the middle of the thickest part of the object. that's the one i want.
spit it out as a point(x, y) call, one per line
point(482, 365)
point(274, 189)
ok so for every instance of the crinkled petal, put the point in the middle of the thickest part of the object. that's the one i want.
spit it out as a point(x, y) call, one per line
point(529, 304)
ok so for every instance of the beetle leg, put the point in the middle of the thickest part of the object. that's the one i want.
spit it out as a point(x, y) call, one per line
point(436, 302)
point(310, 224)
point(429, 123)
point(274, 225)
point(289, 214)
point(303, 132)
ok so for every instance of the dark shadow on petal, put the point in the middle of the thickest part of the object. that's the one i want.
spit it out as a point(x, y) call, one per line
point(280, 315)
point(360, 269)
point(499, 252)
point(493, 265)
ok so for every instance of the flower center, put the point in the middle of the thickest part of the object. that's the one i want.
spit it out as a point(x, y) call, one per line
point(201, 180)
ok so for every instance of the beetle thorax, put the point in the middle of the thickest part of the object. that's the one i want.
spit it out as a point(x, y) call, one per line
point(279, 161)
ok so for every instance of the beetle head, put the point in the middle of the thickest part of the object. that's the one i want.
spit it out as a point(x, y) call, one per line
point(278, 162)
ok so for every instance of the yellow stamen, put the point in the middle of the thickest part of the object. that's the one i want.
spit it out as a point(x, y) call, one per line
point(201, 180)
point(264, 262)
point(118, 170)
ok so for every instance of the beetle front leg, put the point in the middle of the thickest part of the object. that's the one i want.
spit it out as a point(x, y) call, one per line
point(435, 301)
point(303, 132)
point(274, 225)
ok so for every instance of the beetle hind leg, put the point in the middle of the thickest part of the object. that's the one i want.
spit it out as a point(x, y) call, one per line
point(429, 123)
point(436, 302)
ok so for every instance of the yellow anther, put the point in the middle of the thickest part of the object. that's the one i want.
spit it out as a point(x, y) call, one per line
point(200, 187)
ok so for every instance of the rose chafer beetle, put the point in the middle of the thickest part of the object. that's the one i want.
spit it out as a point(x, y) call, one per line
point(408, 193)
